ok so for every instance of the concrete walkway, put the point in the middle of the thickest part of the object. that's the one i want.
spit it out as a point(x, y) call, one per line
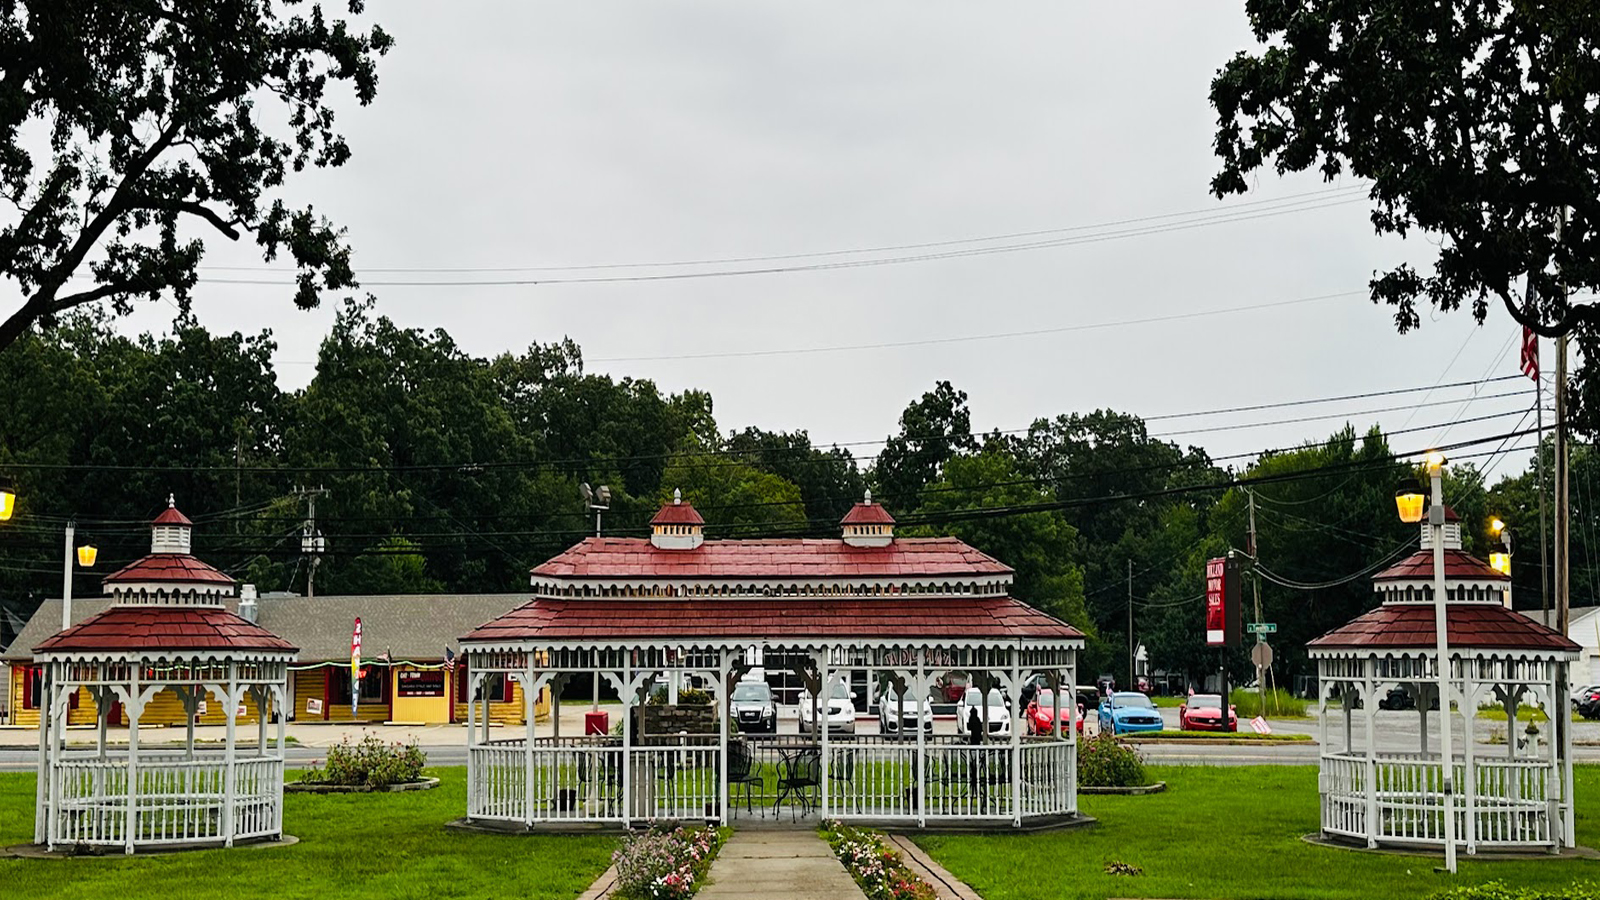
point(778, 865)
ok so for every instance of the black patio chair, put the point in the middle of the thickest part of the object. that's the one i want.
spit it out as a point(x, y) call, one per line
point(606, 773)
point(798, 775)
point(742, 770)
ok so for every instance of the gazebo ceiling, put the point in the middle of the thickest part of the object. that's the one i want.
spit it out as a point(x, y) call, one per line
point(774, 618)
point(165, 628)
point(1469, 626)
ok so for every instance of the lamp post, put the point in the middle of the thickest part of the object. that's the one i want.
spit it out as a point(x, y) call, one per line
point(1409, 504)
point(86, 556)
point(1501, 561)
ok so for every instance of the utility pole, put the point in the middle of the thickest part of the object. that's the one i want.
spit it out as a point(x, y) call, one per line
point(312, 543)
point(1562, 500)
point(1132, 684)
point(1539, 474)
point(66, 578)
point(1255, 586)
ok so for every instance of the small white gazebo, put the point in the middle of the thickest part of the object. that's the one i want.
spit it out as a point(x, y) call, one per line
point(167, 630)
point(1516, 796)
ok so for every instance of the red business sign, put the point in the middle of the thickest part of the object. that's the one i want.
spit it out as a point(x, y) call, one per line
point(1216, 617)
point(1222, 602)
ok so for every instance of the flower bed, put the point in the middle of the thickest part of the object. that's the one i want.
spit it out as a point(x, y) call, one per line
point(665, 863)
point(877, 868)
point(371, 763)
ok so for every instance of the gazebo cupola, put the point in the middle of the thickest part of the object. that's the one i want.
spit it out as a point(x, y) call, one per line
point(868, 524)
point(676, 526)
point(1467, 579)
point(170, 574)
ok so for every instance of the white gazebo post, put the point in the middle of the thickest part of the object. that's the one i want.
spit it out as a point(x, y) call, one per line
point(921, 687)
point(724, 674)
point(820, 720)
point(1369, 712)
point(1014, 694)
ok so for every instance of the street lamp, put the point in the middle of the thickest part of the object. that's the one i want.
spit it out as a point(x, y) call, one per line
point(8, 501)
point(1409, 504)
point(599, 500)
point(86, 557)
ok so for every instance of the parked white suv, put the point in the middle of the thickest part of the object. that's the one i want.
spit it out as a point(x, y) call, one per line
point(893, 720)
point(993, 711)
point(840, 711)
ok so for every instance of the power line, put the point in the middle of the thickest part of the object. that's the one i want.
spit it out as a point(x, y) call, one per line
point(1137, 231)
point(755, 453)
point(960, 339)
point(730, 260)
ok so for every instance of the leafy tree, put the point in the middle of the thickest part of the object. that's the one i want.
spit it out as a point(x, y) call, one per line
point(1039, 545)
point(1474, 121)
point(735, 498)
point(933, 429)
point(829, 481)
point(121, 121)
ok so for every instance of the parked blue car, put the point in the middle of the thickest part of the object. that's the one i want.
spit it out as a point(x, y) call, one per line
point(1128, 711)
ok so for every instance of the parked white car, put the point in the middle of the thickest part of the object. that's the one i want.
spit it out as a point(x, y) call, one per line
point(1578, 693)
point(840, 712)
point(893, 720)
point(991, 710)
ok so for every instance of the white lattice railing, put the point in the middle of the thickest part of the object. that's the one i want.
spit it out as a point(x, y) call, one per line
point(1399, 799)
point(176, 800)
point(867, 777)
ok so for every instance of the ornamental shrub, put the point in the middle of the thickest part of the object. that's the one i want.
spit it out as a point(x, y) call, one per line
point(687, 696)
point(1499, 890)
point(877, 868)
point(1104, 761)
point(371, 762)
point(665, 863)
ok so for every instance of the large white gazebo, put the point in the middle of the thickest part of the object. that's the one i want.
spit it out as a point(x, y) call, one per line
point(167, 630)
point(866, 610)
point(1515, 796)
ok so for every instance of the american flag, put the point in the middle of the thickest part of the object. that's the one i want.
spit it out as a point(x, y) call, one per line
point(1530, 353)
point(449, 659)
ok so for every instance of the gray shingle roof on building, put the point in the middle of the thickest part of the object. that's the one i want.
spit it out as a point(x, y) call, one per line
point(409, 626)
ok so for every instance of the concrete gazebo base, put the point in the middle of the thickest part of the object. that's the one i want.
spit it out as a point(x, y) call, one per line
point(1504, 855)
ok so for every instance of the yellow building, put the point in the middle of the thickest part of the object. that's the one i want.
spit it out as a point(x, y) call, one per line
point(405, 675)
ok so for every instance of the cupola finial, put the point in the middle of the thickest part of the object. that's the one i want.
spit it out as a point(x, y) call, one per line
point(677, 496)
point(172, 501)
point(868, 499)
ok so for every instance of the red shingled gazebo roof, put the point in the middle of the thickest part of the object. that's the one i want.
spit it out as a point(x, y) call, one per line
point(677, 514)
point(772, 558)
point(164, 628)
point(1458, 566)
point(171, 516)
point(770, 619)
point(1487, 626)
point(171, 568)
point(867, 514)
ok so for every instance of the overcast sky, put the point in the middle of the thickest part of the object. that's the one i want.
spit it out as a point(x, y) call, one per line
point(538, 134)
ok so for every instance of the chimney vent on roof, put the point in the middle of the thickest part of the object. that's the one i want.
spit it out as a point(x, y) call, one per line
point(868, 524)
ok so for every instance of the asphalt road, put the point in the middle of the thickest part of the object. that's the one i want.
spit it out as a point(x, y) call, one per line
point(1396, 731)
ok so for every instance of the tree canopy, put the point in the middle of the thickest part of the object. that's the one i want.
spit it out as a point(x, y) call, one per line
point(1473, 120)
point(448, 472)
point(122, 121)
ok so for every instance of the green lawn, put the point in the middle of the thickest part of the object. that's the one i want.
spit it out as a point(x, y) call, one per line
point(390, 846)
point(1226, 832)
point(1156, 737)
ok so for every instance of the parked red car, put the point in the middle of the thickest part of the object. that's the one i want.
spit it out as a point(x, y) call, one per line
point(1203, 712)
point(1041, 712)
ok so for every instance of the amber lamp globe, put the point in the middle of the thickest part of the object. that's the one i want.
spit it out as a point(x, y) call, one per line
point(87, 554)
point(8, 502)
point(1408, 501)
